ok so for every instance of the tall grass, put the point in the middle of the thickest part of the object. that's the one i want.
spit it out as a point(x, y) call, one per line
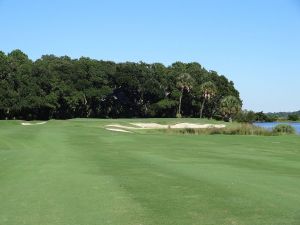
point(284, 129)
point(240, 129)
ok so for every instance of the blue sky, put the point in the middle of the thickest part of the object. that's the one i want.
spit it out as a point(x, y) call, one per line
point(256, 43)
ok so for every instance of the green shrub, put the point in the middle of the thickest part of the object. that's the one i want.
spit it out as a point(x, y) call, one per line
point(293, 117)
point(283, 129)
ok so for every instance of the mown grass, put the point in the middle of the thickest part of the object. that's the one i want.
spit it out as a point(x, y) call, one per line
point(76, 172)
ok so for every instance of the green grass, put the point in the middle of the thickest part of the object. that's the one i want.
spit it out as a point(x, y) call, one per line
point(77, 173)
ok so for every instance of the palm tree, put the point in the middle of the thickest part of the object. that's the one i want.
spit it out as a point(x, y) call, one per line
point(183, 82)
point(229, 107)
point(207, 91)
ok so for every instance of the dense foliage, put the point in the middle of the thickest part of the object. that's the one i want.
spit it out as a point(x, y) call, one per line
point(284, 115)
point(293, 117)
point(250, 117)
point(61, 87)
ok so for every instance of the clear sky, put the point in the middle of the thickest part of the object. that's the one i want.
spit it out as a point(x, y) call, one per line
point(256, 43)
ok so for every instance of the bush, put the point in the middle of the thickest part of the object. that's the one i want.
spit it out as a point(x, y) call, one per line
point(284, 129)
point(293, 117)
point(262, 117)
point(246, 117)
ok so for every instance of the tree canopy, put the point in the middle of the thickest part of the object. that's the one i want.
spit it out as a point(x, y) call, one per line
point(62, 88)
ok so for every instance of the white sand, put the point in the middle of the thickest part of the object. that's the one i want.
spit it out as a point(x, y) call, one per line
point(197, 126)
point(121, 126)
point(118, 130)
point(150, 125)
point(191, 125)
point(220, 126)
point(178, 126)
point(29, 124)
point(160, 126)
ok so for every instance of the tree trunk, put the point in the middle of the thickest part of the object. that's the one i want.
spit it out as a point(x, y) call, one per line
point(212, 113)
point(7, 114)
point(179, 106)
point(202, 107)
point(85, 102)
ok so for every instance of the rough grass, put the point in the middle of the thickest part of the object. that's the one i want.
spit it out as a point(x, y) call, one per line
point(235, 129)
point(284, 129)
point(75, 172)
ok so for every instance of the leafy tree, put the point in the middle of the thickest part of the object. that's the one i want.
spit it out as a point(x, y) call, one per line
point(230, 106)
point(184, 82)
point(262, 117)
point(207, 91)
point(293, 117)
point(61, 88)
point(246, 116)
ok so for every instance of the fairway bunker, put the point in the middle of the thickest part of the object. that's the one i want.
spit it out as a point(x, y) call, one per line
point(118, 130)
point(30, 124)
point(141, 126)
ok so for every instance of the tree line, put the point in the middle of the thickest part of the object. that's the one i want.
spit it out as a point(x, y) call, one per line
point(293, 116)
point(251, 117)
point(54, 87)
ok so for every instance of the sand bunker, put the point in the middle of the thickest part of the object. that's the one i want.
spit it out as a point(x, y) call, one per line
point(118, 130)
point(121, 126)
point(150, 125)
point(177, 126)
point(137, 126)
point(30, 124)
point(196, 126)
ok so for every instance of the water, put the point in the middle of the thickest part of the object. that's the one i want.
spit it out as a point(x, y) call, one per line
point(270, 125)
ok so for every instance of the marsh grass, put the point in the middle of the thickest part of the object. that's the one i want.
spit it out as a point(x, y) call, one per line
point(238, 129)
point(284, 129)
